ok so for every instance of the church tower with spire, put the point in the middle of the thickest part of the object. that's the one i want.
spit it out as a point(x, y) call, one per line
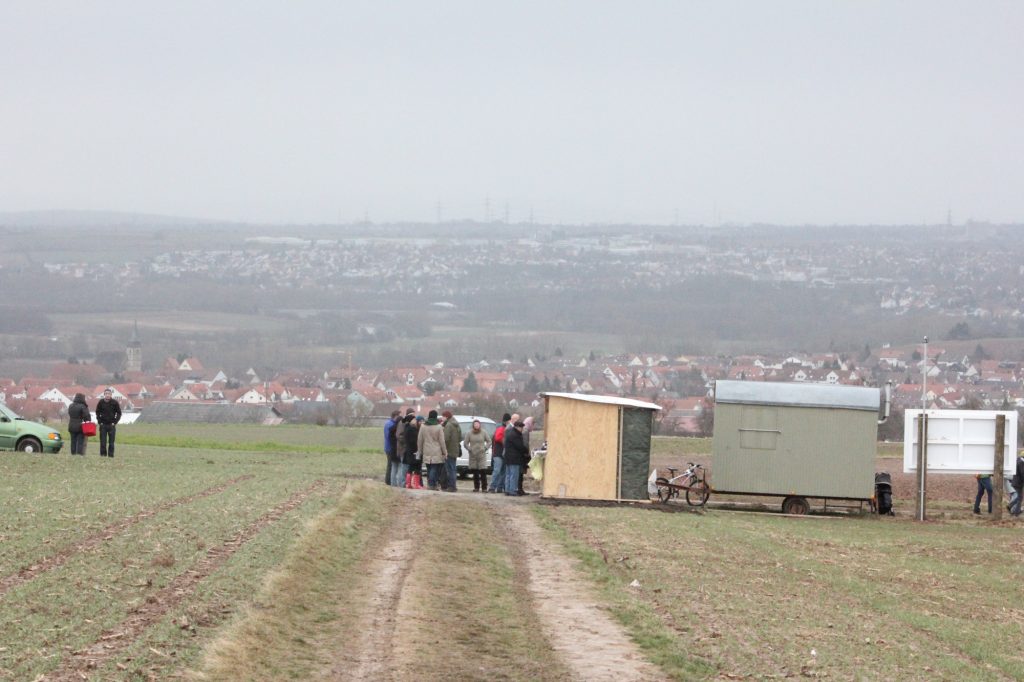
point(133, 353)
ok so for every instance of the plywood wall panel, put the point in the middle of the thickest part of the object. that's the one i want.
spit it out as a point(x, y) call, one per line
point(583, 450)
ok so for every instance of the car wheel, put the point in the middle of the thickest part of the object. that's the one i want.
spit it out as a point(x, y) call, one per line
point(29, 445)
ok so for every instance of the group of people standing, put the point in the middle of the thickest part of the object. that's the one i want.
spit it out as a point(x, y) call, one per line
point(410, 442)
point(108, 414)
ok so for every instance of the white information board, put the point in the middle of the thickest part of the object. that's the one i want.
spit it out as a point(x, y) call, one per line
point(960, 441)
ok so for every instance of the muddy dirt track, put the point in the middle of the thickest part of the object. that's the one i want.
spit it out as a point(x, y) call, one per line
point(373, 653)
point(582, 635)
point(576, 626)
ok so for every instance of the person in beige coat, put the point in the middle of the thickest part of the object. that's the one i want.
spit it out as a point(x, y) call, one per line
point(431, 445)
point(477, 441)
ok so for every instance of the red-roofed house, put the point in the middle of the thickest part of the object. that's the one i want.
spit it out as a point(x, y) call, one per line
point(315, 395)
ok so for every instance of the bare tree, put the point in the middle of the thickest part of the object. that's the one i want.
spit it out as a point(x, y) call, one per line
point(706, 419)
point(350, 410)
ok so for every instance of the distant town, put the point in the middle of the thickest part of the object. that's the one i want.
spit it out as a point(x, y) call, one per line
point(343, 395)
point(341, 325)
point(951, 276)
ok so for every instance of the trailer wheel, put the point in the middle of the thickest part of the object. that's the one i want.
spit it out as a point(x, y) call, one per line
point(795, 505)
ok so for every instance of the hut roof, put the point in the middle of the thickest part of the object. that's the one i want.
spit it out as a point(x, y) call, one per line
point(797, 394)
point(606, 399)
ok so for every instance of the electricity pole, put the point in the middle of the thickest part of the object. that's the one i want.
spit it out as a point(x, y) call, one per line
point(922, 438)
point(924, 376)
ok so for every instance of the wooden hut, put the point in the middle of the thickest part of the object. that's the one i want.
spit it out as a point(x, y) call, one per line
point(599, 447)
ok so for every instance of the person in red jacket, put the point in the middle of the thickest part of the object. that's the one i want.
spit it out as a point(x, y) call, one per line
point(498, 456)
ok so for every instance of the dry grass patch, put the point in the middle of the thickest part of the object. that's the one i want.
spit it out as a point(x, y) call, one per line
point(164, 559)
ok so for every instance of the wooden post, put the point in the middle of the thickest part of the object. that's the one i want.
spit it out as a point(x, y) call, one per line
point(997, 468)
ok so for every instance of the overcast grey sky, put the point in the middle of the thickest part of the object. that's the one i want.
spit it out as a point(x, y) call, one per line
point(589, 111)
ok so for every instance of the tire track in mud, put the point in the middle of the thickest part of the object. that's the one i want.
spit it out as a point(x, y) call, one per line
point(584, 635)
point(371, 656)
point(61, 556)
point(116, 640)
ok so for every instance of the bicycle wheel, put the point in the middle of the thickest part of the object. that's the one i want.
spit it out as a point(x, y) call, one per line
point(665, 492)
point(697, 493)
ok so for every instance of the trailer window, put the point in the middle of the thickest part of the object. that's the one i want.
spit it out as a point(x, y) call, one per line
point(759, 428)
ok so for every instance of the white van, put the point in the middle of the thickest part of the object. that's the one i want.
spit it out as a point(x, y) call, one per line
point(466, 424)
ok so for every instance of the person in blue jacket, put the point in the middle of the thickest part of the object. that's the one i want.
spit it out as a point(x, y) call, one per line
point(389, 444)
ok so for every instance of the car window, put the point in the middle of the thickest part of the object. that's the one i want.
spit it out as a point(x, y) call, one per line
point(11, 414)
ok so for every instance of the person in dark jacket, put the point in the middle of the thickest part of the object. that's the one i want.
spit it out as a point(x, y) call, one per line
point(1018, 486)
point(498, 456)
point(515, 457)
point(412, 456)
point(78, 412)
point(389, 446)
point(108, 414)
point(453, 443)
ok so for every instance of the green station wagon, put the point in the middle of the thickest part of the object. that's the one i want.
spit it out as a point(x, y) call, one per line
point(24, 435)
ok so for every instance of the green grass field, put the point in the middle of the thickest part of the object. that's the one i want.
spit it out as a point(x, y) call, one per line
point(49, 503)
point(190, 321)
point(199, 548)
point(737, 595)
point(283, 438)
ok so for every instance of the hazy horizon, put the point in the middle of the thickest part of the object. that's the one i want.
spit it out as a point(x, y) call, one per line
point(787, 113)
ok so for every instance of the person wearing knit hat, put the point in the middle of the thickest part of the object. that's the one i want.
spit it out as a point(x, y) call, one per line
point(453, 443)
point(515, 457)
point(431, 445)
